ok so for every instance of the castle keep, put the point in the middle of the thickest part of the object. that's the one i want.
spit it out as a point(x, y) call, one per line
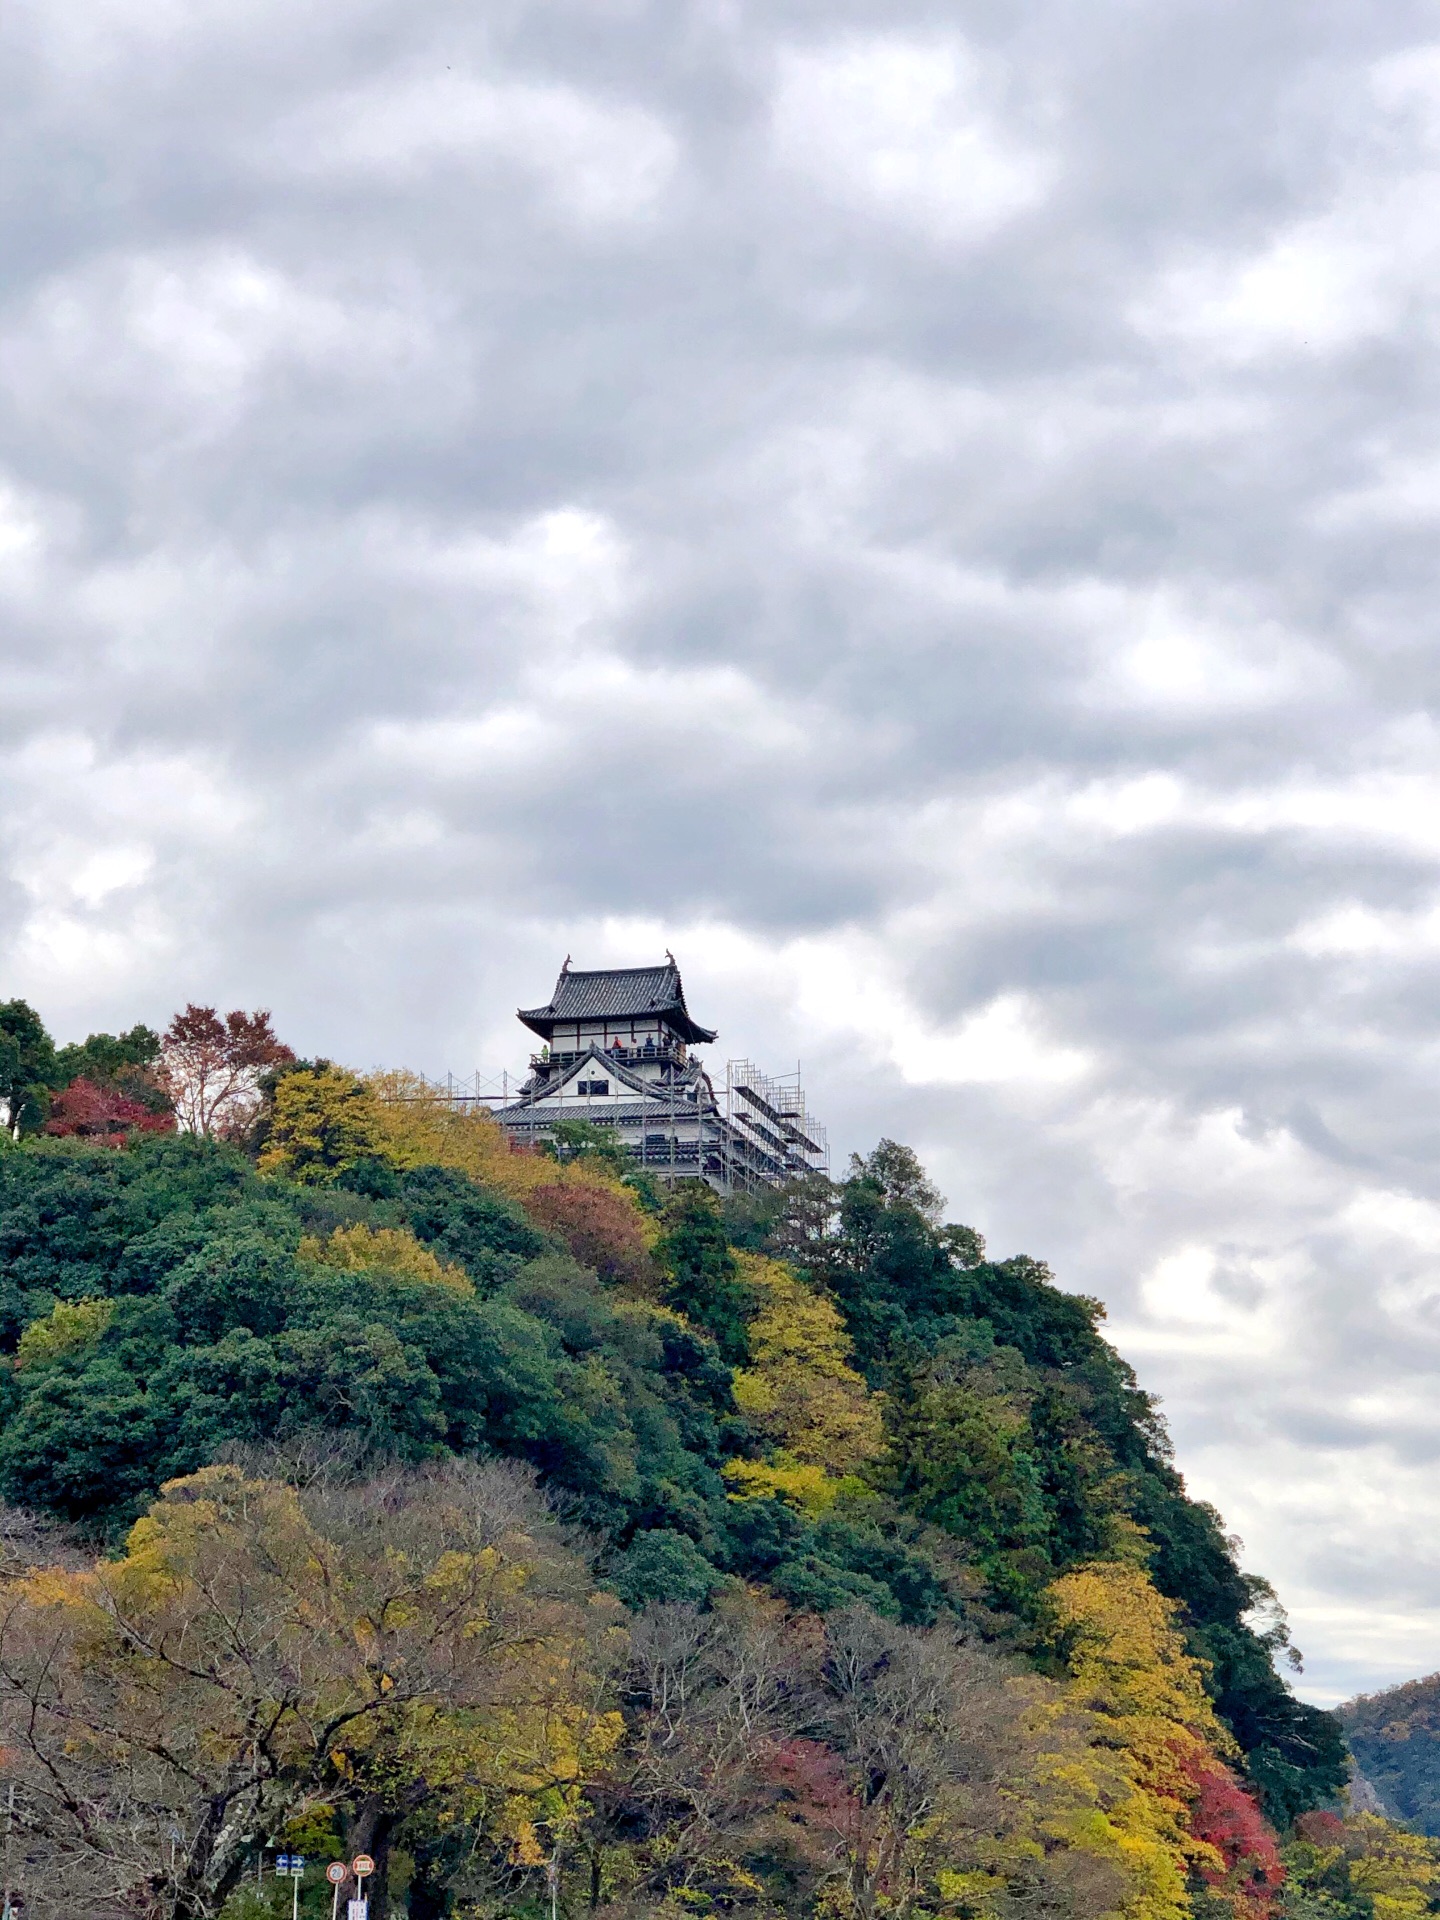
point(618, 1052)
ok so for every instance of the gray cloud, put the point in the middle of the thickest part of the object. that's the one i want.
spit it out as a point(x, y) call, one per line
point(928, 510)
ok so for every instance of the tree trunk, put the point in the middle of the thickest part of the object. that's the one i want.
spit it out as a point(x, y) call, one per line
point(217, 1856)
point(597, 1855)
point(370, 1832)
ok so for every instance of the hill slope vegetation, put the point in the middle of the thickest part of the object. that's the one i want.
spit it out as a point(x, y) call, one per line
point(1395, 1737)
point(565, 1544)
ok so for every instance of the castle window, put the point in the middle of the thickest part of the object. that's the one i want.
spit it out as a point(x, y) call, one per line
point(592, 1086)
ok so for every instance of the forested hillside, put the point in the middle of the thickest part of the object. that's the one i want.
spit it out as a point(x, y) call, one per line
point(1395, 1737)
point(567, 1545)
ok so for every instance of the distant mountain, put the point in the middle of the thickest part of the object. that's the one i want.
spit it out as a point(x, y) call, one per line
point(1395, 1738)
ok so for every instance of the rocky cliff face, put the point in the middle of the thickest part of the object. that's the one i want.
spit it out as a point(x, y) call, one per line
point(1363, 1798)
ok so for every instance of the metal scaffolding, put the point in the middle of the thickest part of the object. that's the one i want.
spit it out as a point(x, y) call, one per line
point(757, 1132)
point(769, 1113)
point(455, 1090)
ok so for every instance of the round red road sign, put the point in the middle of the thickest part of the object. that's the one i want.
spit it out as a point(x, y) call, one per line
point(336, 1872)
point(361, 1865)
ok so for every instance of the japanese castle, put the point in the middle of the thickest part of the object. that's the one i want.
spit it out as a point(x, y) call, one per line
point(617, 1052)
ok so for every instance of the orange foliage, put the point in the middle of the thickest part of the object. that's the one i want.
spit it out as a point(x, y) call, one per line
point(600, 1226)
point(1321, 1828)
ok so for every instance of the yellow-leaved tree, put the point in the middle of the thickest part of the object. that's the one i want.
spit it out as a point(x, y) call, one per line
point(418, 1127)
point(1398, 1872)
point(71, 1326)
point(322, 1121)
point(421, 1648)
point(1130, 1672)
point(325, 1120)
point(585, 1202)
point(801, 1391)
point(384, 1250)
point(1332, 1860)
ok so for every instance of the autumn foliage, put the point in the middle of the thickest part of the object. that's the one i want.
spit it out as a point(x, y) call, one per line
point(1360, 1866)
point(601, 1226)
point(94, 1112)
point(211, 1067)
point(321, 1122)
point(1224, 1817)
point(420, 1127)
point(575, 1544)
point(421, 1643)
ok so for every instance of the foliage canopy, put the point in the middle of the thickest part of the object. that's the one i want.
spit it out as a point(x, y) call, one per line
point(848, 1480)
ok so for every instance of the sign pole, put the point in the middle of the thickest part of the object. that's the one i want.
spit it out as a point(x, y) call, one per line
point(362, 1866)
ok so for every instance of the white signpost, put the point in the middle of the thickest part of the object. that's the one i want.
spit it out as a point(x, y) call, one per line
point(361, 1866)
point(292, 1864)
point(337, 1873)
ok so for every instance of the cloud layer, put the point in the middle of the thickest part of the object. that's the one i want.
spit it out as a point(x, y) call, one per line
point(928, 510)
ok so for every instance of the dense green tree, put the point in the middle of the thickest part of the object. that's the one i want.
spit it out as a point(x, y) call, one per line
point(963, 1456)
point(105, 1056)
point(662, 1565)
point(27, 1066)
point(221, 1334)
point(705, 1282)
point(486, 1235)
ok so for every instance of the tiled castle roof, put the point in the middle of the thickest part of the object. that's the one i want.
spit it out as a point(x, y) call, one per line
point(618, 993)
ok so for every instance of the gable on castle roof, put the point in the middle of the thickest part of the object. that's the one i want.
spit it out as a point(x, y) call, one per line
point(582, 1067)
point(659, 1097)
point(617, 993)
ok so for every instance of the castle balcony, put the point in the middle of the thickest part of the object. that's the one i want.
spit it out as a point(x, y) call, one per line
point(668, 1053)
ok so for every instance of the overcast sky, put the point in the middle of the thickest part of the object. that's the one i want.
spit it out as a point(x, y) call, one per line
point(928, 510)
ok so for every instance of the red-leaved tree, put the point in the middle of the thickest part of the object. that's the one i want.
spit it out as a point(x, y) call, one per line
point(211, 1067)
point(1226, 1816)
point(102, 1113)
